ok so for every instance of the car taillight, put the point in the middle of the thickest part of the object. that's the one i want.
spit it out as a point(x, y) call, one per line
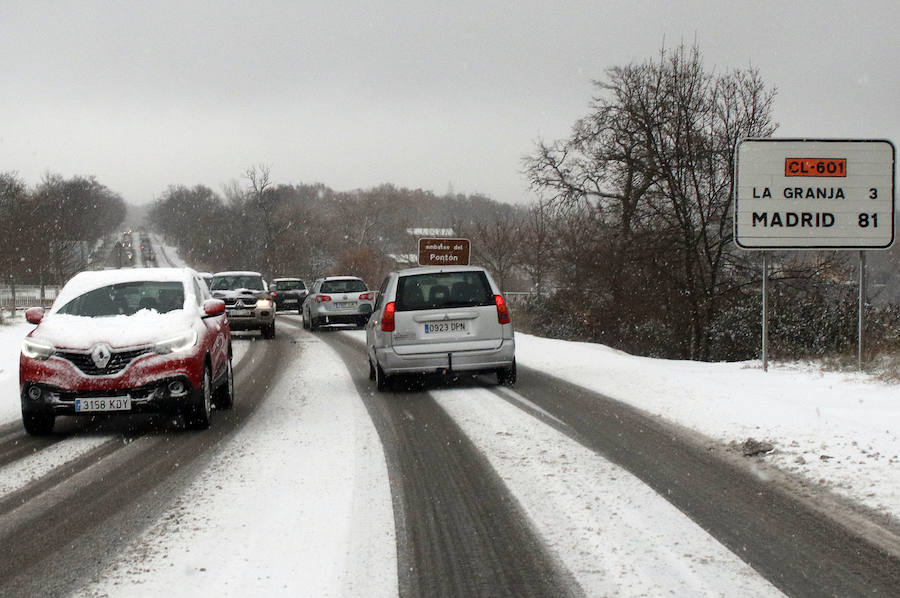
point(274, 294)
point(322, 298)
point(367, 296)
point(502, 310)
point(387, 318)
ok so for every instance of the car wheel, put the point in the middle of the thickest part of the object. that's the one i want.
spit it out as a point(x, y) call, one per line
point(268, 331)
point(371, 370)
point(199, 416)
point(38, 424)
point(382, 380)
point(313, 324)
point(225, 393)
point(305, 320)
point(507, 376)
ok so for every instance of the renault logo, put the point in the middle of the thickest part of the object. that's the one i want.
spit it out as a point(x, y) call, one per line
point(239, 304)
point(101, 355)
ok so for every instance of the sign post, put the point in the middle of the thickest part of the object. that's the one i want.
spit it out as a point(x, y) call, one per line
point(808, 194)
point(444, 252)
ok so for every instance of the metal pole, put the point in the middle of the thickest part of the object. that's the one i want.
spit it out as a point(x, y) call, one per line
point(12, 291)
point(862, 307)
point(765, 314)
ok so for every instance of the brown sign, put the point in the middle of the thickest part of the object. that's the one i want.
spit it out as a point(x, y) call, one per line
point(443, 252)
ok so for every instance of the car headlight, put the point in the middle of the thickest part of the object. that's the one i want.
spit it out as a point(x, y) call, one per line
point(36, 350)
point(263, 303)
point(182, 342)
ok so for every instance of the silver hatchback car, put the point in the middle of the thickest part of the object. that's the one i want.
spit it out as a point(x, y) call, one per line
point(440, 319)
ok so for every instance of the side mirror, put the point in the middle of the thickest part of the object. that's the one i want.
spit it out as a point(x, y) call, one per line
point(213, 307)
point(34, 315)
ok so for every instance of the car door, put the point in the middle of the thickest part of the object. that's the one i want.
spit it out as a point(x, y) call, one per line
point(218, 334)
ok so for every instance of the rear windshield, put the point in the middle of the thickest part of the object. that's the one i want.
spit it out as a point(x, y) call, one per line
point(127, 298)
point(444, 289)
point(343, 286)
point(233, 282)
point(289, 285)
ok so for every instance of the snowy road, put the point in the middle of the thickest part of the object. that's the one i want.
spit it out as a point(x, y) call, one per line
point(315, 485)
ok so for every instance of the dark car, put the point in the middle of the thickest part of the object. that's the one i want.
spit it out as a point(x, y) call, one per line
point(289, 293)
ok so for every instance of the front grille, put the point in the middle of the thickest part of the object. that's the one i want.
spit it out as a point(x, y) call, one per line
point(117, 361)
point(249, 302)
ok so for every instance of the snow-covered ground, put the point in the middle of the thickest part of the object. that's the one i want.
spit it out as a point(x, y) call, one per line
point(298, 502)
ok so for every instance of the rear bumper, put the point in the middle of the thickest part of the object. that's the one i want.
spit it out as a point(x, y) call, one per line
point(323, 311)
point(455, 361)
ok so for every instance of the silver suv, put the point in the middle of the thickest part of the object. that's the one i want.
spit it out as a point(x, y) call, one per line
point(338, 300)
point(248, 303)
point(440, 319)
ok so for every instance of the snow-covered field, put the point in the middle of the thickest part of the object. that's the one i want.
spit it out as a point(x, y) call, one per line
point(321, 521)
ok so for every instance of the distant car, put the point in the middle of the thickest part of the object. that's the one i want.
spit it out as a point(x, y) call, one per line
point(338, 300)
point(206, 277)
point(248, 303)
point(440, 319)
point(127, 341)
point(289, 293)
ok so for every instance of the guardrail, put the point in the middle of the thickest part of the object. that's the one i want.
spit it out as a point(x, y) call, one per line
point(27, 295)
point(517, 298)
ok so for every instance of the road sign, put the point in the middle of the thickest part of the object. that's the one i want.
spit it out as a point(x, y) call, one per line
point(443, 252)
point(814, 194)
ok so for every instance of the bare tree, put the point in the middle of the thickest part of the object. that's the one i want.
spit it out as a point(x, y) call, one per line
point(654, 160)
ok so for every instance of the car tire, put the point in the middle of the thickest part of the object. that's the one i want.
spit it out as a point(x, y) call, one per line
point(313, 324)
point(268, 331)
point(507, 376)
point(371, 370)
point(225, 392)
point(200, 413)
point(382, 380)
point(38, 424)
point(305, 320)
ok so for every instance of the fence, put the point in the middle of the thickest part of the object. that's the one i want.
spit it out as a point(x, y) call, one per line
point(27, 295)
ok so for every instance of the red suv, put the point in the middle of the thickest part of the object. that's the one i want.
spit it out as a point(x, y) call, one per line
point(127, 341)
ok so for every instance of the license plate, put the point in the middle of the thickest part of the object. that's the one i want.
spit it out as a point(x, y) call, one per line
point(103, 404)
point(345, 305)
point(290, 301)
point(238, 313)
point(445, 327)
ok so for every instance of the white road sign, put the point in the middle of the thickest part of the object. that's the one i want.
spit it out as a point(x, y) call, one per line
point(814, 194)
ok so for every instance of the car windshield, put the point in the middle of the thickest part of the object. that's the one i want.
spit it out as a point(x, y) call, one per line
point(236, 281)
point(352, 285)
point(289, 285)
point(444, 289)
point(127, 298)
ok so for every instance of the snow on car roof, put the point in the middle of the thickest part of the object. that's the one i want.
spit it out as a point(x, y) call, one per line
point(436, 269)
point(285, 278)
point(237, 273)
point(90, 280)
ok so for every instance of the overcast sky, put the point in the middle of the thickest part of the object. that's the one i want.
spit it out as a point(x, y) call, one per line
point(416, 93)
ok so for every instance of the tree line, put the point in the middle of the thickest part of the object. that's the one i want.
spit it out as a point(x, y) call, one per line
point(50, 232)
point(629, 242)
